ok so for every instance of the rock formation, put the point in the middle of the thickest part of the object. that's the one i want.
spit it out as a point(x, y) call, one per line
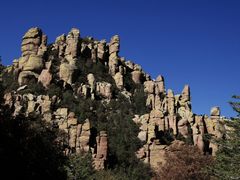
point(73, 63)
point(102, 148)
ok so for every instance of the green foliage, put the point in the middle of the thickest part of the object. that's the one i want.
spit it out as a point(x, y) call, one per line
point(29, 150)
point(107, 175)
point(128, 82)
point(86, 66)
point(9, 81)
point(116, 118)
point(1, 65)
point(34, 88)
point(139, 100)
point(123, 141)
point(68, 99)
point(54, 90)
point(236, 105)
point(228, 157)
point(79, 167)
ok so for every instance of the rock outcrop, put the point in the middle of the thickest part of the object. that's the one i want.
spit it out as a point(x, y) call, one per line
point(75, 64)
point(102, 151)
point(114, 47)
point(31, 63)
point(173, 114)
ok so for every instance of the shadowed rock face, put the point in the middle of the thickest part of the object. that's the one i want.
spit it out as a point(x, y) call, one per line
point(170, 113)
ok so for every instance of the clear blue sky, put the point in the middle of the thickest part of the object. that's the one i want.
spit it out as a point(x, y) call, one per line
point(195, 42)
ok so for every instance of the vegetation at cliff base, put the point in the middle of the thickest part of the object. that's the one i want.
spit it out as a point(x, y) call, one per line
point(227, 161)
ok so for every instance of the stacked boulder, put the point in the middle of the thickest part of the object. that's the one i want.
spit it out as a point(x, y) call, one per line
point(114, 47)
point(31, 63)
point(68, 45)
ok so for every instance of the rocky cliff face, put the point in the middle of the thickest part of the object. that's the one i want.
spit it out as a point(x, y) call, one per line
point(93, 71)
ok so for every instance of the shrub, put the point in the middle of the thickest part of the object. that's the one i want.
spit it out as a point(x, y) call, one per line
point(79, 167)
point(185, 163)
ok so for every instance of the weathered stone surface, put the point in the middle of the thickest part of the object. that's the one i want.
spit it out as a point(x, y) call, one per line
point(186, 93)
point(60, 45)
point(72, 137)
point(84, 90)
point(72, 43)
point(104, 89)
point(160, 86)
point(119, 80)
point(101, 49)
point(34, 43)
point(114, 44)
point(198, 131)
point(45, 78)
point(215, 111)
point(137, 76)
point(102, 149)
point(149, 87)
point(66, 72)
point(113, 64)
point(8, 99)
point(62, 112)
point(21, 62)
point(72, 121)
point(91, 82)
point(31, 42)
point(129, 64)
point(171, 102)
point(85, 136)
point(34, 63)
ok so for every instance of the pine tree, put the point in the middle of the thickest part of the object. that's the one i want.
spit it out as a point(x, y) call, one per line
point(227, 162)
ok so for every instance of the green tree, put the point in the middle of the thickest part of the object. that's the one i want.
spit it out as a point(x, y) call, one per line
point(79, 167)
point(227, 161)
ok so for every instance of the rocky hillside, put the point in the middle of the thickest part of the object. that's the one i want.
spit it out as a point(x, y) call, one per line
point(102, 103)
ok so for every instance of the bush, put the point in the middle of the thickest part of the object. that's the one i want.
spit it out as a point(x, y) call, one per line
point(9, 82)
point(29, 150)
point(79, 167)
point(185, 163)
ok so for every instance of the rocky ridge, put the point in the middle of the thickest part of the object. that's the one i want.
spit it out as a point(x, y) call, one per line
point(168, 114)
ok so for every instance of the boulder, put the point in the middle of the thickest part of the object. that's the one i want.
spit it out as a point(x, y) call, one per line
point(119, 80)
point(114, 44)
point(171, 102)
point(102, 150)
point(66, 72)
point(60, 45)
point(101, 49)
point(215, 111)
point(45, 78)
point(186, 93)
point(159, 85)
point(137, 77)
point(34, 63)
point(72, 43)
point(113, 64)
point(34, 42)
point(91, 81)
point(149, 87)
point(104, 89)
